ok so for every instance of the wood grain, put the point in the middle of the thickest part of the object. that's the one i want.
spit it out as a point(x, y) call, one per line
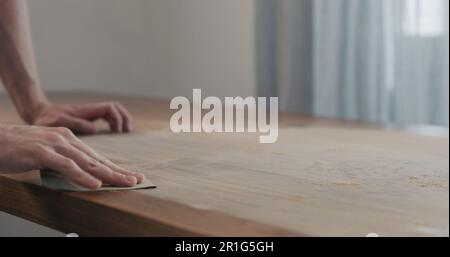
point(322, 177)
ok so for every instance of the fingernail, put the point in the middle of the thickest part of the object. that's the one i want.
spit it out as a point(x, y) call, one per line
point(95, 184)
point(132, 180)
point(140, 177)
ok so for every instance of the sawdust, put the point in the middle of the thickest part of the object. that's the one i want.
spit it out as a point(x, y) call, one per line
point(347, 184)
point(428, 183)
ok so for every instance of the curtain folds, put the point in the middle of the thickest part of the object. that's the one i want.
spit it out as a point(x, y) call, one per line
point(383, 61)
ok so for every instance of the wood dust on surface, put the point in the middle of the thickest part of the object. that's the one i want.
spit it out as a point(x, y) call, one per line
point(313, 180)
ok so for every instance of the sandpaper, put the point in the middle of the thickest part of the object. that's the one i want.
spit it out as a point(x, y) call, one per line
point(55, 181)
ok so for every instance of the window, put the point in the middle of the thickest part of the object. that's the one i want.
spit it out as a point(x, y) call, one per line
point(424, 18)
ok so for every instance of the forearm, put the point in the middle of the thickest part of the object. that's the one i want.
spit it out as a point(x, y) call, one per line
point(18, 69)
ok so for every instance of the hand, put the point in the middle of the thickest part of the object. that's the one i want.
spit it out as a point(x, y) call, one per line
point(79, 118)
point(25, 148)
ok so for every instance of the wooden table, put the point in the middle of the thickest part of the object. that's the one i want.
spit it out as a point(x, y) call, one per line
point(322, 177)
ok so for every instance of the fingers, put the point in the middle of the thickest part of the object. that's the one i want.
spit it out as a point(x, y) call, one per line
point(68, 168)
point(139, 176)
point(78, 144)
point(114, 113)
point(96, 167)
point(114, 118)
point(92, 154)
point(77, 125)
point(65, 153)
point(127, 120)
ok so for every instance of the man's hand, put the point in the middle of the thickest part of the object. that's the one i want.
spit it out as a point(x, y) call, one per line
point(19, 75)
point(25, 148)
point(79, 118)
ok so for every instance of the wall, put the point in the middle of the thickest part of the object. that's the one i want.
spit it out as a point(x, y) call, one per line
point(157, 48)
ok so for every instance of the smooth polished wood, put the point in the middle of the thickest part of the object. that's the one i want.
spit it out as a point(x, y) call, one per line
point(322, 177)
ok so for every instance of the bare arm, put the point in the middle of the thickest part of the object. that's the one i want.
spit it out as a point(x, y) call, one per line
point(17, 63)
point(19, 74)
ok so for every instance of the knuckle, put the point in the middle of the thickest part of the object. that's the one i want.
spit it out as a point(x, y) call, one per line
point(69, 164)
point(37, 150)
point(78, 176)
point(117, 176)
point(59, 118)
point(113, 106)
point(93, 163)
point(64, 131)
point(54, 137)
point(61, 147)
point(97, 166)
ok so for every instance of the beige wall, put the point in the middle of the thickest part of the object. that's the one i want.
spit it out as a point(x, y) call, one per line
point(146, 47)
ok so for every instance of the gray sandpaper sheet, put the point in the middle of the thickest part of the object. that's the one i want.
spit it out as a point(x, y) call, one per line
point(52, 180)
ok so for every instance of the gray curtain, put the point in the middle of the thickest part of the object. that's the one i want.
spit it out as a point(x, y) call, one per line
point(383, 61)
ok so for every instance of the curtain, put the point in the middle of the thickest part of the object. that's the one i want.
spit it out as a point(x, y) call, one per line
point(384, 61)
